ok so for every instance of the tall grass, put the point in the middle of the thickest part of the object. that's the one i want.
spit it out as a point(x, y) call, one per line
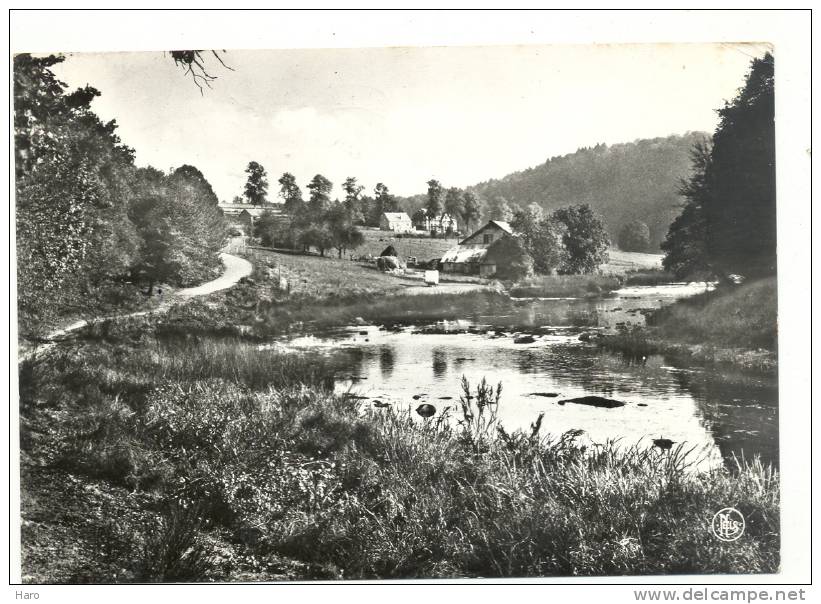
point(277, 467)
point(649, 277)
point(732, 316)
point(566, 286)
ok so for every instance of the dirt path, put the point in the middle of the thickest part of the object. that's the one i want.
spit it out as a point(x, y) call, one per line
point(235, 269)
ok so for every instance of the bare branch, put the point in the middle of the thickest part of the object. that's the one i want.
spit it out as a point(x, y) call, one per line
point(193, 63)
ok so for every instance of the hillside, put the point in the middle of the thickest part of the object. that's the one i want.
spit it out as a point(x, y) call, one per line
point(624, 182)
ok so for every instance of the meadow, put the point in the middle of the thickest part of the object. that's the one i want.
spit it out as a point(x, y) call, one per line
point(421, 247)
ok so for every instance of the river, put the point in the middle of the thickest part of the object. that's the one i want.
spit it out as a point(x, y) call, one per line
point(719, 414)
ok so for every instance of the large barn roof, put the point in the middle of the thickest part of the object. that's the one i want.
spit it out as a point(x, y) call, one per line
point(461, 254)
point(502, 225)
point(497, 223)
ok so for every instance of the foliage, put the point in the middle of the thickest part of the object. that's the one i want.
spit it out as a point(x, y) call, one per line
point(319, 237)
point(291, 196)
point(267, 229)
point(498, 208)
point(80, 232)
point(180, 226)
point(634, 237)
point(623, 182)
point(585, 239)
point(353, 200)
point(685, 244)
point(542, 238)
point(362, 493)
point(472, 210)
point(728, 222)
point(435, 202)
point(513, 262)
point(256, 187)
point(319, 201)
point(741, 316)
point(383, 201)
point(740, 210)
point(566, 286)
point(454, 202)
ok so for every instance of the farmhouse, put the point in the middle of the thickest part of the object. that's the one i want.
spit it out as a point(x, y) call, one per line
point(398, 222)
point(473, 255)
point(443, 223)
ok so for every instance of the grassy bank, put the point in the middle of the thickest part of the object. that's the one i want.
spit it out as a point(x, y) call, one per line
point(735, 325)
point(191, 459)
point(566, 286)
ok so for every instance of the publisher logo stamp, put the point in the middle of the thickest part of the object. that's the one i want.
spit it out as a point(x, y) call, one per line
point(728, 524)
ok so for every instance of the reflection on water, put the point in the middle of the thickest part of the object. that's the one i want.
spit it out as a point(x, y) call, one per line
point(440, 363)
point(718, 414)
point(386, 361)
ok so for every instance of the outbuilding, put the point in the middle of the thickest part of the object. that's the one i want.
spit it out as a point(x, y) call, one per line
point(470, 257)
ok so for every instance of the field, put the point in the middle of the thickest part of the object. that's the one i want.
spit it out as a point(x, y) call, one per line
point(318, 277)
point(423, 248)
point(622, 262)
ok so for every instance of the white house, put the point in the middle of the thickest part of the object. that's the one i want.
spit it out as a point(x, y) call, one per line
point(398, 222)
point(443, 222)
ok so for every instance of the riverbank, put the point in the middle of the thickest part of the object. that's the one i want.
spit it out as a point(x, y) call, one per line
point(206, 459)
point(731, 325)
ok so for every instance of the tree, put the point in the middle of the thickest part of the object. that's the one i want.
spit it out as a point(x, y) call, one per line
point(420, 216)
point(513, 262)
point(685, 244)
point(500, 209)
point(542, 237)
point(180, 225)
point(585, 239)
point(256, 187)
point(472, 211)
point(267, 228)
point(384, 201)
point(319, 201)
point(634, 237)
point(319, 237)
point(291, 195)
point(434, 205)
point(72, 185)
point(353, 204)
point(344, 234)
point(740, 208)
point(454, 202)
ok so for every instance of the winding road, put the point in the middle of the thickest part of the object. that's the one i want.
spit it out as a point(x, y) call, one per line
point(235, 269)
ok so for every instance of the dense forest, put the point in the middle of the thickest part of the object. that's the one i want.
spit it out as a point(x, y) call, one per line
point(624, 183)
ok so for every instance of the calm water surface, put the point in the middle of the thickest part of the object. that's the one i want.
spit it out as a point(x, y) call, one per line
point(719, 414)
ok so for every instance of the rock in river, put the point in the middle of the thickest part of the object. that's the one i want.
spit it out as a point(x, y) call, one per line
point(594, 401)
point(547, 394)
point(524, 340)
point(426, 410)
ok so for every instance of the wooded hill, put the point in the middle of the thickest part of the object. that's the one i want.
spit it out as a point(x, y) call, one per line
point(624, 182)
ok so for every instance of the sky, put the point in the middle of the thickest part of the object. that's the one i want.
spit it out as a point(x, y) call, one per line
point(402, 116)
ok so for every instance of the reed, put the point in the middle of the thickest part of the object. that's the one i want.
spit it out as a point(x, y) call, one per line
point(277, 467)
